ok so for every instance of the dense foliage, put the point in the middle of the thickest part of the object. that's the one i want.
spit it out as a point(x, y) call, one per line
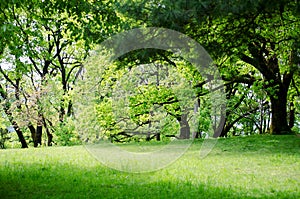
point(46, 44)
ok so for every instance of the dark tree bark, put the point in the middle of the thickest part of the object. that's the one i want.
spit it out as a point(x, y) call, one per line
point(157, 135)
point(38, 135)
point(32, 131)
point(70, 111)
point(279, 124)
point(184, 127)
point(49, 135)
point(197, 135)
point(62, 112)
point(292, 115)
point(16, 128)
point(20, 134)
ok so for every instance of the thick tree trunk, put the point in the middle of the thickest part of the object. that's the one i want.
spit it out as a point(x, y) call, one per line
point(279, 124)
point(157, 136)
point(269, 68)
point(32, 131)
point(184, 127)
point(38, 135)
point(20, 134)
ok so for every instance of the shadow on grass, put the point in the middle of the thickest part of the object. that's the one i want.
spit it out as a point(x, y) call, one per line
point(67, 181)
point(69, 172)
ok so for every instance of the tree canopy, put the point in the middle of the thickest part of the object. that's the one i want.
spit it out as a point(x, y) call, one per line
point(45, 45)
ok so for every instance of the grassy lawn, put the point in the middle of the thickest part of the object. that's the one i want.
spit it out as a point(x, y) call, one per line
point(239, 167)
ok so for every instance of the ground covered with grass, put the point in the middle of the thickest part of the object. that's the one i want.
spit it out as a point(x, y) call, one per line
point(239, 167)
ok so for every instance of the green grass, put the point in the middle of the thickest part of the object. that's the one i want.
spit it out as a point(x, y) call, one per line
point(239, 167)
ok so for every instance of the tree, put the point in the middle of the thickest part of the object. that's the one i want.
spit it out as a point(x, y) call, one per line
point(144, 102)
point(268, 43)
point(264, 35)
point(49, 41)
point(7, 110)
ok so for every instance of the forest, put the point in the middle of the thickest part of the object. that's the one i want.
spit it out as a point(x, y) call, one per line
point(50, 54)
point(149, 99)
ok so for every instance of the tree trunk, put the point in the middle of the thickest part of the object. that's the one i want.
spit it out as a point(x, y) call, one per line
point(184, 127)
point(157, 136)
point(196, 134)
point(279, 124)
point(292, 115)
point(38, 135)
point(6, 108)
point(219, 127)
point(32, 131)
point(49, 135)
point(70, 111)
point(62, 111)
point(15, 125)
point(20, 134)
point(148, 137)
